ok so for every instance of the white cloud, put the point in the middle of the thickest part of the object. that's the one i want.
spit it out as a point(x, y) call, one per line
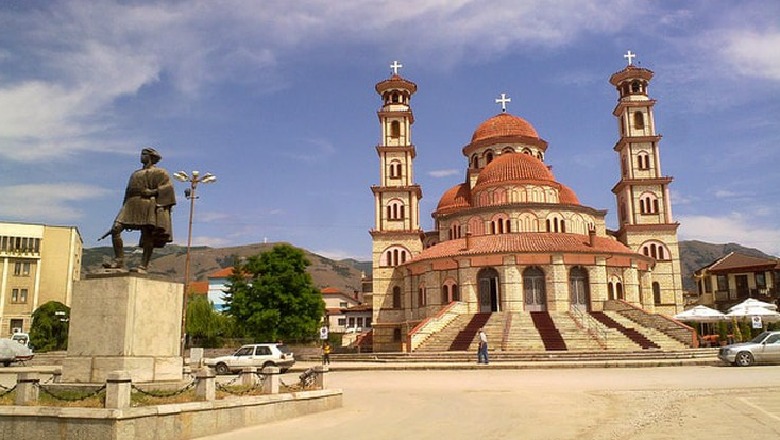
point(753, 53)
point(734, 228)
point(49, 203)
point(443, 173)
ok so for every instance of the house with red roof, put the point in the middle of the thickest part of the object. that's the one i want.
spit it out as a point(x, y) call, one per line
point(344, 313)
point(736, 277)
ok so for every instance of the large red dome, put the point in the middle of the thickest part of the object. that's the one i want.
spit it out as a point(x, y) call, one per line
point(514, 167)
point(502, 125)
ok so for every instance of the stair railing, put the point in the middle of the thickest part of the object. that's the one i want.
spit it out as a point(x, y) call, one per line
point(593, 327)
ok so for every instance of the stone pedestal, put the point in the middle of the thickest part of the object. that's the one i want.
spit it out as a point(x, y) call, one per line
point(124, 322)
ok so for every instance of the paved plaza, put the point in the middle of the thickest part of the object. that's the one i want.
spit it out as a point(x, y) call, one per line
point(692, 403)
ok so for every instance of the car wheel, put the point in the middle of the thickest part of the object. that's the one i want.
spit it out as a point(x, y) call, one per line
point(284, 370)
point(222, 369)
point(743, 359)
point(268, 364)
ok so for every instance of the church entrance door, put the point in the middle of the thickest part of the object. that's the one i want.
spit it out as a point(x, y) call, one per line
point(534, 291)
point(579, 289)
point(487, 282)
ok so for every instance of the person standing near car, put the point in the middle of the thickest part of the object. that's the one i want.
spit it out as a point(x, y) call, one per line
point(326, 349)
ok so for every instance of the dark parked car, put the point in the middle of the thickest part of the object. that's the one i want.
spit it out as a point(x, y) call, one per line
point(763, 348)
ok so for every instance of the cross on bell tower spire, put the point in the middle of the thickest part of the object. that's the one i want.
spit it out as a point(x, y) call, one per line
point(503, 100)
point(395, 66)
point(630, 57)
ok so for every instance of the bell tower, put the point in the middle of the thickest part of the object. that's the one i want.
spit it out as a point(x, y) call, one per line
point(644, 207)
point(396, 235)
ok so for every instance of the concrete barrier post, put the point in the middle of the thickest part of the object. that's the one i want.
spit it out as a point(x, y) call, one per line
point(271, 381)
point(56, 376)
point(118, 388)
point(248, 377)
point(205, 389)
point(27, 388)
point(320, 378)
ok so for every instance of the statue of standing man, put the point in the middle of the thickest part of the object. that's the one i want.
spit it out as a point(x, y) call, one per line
point(149, 197)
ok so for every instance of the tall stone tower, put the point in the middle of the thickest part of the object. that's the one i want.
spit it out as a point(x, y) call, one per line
point(396, 234)
point(644, 207)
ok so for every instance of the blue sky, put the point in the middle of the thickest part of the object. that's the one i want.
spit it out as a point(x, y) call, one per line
point(277, 99)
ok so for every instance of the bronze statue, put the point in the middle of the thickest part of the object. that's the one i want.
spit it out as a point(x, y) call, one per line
point(149, 197)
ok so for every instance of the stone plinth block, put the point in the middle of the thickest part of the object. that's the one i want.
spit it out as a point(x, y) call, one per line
point(124, 322)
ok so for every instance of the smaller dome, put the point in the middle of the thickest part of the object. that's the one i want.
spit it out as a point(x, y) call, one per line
point(504, 124)
point(567, 196)
point(459, 196)
point(514, 167)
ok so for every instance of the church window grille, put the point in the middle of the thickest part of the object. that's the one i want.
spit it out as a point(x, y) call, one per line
point(397, 297)
point(639, 121)
point(395, 129)
point(656, 293)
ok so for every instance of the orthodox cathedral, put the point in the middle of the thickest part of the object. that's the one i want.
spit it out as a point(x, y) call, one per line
point(512, 239)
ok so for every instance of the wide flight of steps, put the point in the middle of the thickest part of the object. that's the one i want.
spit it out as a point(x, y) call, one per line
point(551, 331)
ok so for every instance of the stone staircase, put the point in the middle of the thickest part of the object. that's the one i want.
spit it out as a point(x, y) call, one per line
point(612, 330)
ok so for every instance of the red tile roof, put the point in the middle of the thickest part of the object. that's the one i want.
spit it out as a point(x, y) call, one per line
point(330, 290)
point(536, 242)
point(504, 124)
point(222, 273)
point(514, 167)
point(198, 287)
point(735, 261)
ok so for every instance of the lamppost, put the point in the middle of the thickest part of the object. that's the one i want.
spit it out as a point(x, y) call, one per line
point(189, 193)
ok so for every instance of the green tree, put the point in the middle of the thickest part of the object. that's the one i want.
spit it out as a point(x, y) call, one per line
point(205, 326)
point(272, 297)
point(49, 329)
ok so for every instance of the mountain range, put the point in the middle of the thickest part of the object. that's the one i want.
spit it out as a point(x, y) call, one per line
point(344, 274)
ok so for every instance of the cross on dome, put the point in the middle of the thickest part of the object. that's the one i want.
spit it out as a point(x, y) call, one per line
point(629, 56)
point(503, 100)
point(395, 66)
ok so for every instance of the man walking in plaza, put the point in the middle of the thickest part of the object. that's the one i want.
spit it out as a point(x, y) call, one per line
point(482, 351)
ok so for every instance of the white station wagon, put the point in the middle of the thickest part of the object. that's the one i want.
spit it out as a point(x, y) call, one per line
point(254, 355)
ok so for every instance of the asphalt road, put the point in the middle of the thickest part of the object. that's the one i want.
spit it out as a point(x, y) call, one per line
point(692, 403)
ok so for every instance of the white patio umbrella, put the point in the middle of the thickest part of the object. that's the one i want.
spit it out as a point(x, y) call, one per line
point(700, 314)
point(745, 312)
point(752, 302)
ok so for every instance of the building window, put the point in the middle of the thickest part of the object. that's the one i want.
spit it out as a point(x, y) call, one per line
point(395, 210)
point(22, 269)
point(342, 322)
point(396, 297)
point(396, 335)
point(707, 284)
point(555, 224)
point(18, 295)
point(639, 120)
point(474, 161)
point(648, 204)
point(421, 296)
point(656, 250)
point(579, 286)
point(445, 294)
point(723, 283)
point(351, 322)
point(395, 129)
point(760, 280)
point(455, 293)
point(17, 325)
point(394, 257)
point(643, 161)
point(488, 157)
point(656, 293)
point(395, 169)
point(343, 304)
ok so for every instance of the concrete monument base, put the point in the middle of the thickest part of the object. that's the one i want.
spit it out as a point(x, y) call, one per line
point(124, 321)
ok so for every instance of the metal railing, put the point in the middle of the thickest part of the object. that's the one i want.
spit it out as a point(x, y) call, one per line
point(589, 323)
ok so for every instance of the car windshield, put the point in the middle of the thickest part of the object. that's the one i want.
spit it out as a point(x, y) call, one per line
point(283, 348)
point(760, 338)
point(245, 351)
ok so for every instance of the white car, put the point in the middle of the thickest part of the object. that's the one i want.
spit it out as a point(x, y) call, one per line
point(254, 355)
point(763, 348)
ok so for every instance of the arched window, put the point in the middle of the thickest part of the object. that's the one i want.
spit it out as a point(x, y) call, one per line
point(657, 250)
point(528, 151)
point(455, 231)
point(395, 129)
point(508, 150)
point(639, 120)
point(656, 293)
point(395, 97)
point(648, 204)
point(445, 294)
point(488, 157)
point(555, 224)
point(397, 297)
point(421, 301)
point(500, 224)
point(455, 294)
point(475, 161)
point(643, 161)
point(636, 87)
point(395, 169)
point(394, 256)
point(395, 210)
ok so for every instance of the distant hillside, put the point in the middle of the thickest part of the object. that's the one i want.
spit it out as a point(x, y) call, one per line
point(169, 263)
point(345, 274)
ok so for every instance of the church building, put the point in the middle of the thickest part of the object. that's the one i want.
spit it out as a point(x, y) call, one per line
point(510, 239)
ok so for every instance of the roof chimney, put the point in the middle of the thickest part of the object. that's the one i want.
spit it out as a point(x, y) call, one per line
point(591, 236)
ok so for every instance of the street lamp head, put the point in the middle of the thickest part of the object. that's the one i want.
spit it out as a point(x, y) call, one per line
point(195, 174)
point(181, 176)
point(208, 178)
